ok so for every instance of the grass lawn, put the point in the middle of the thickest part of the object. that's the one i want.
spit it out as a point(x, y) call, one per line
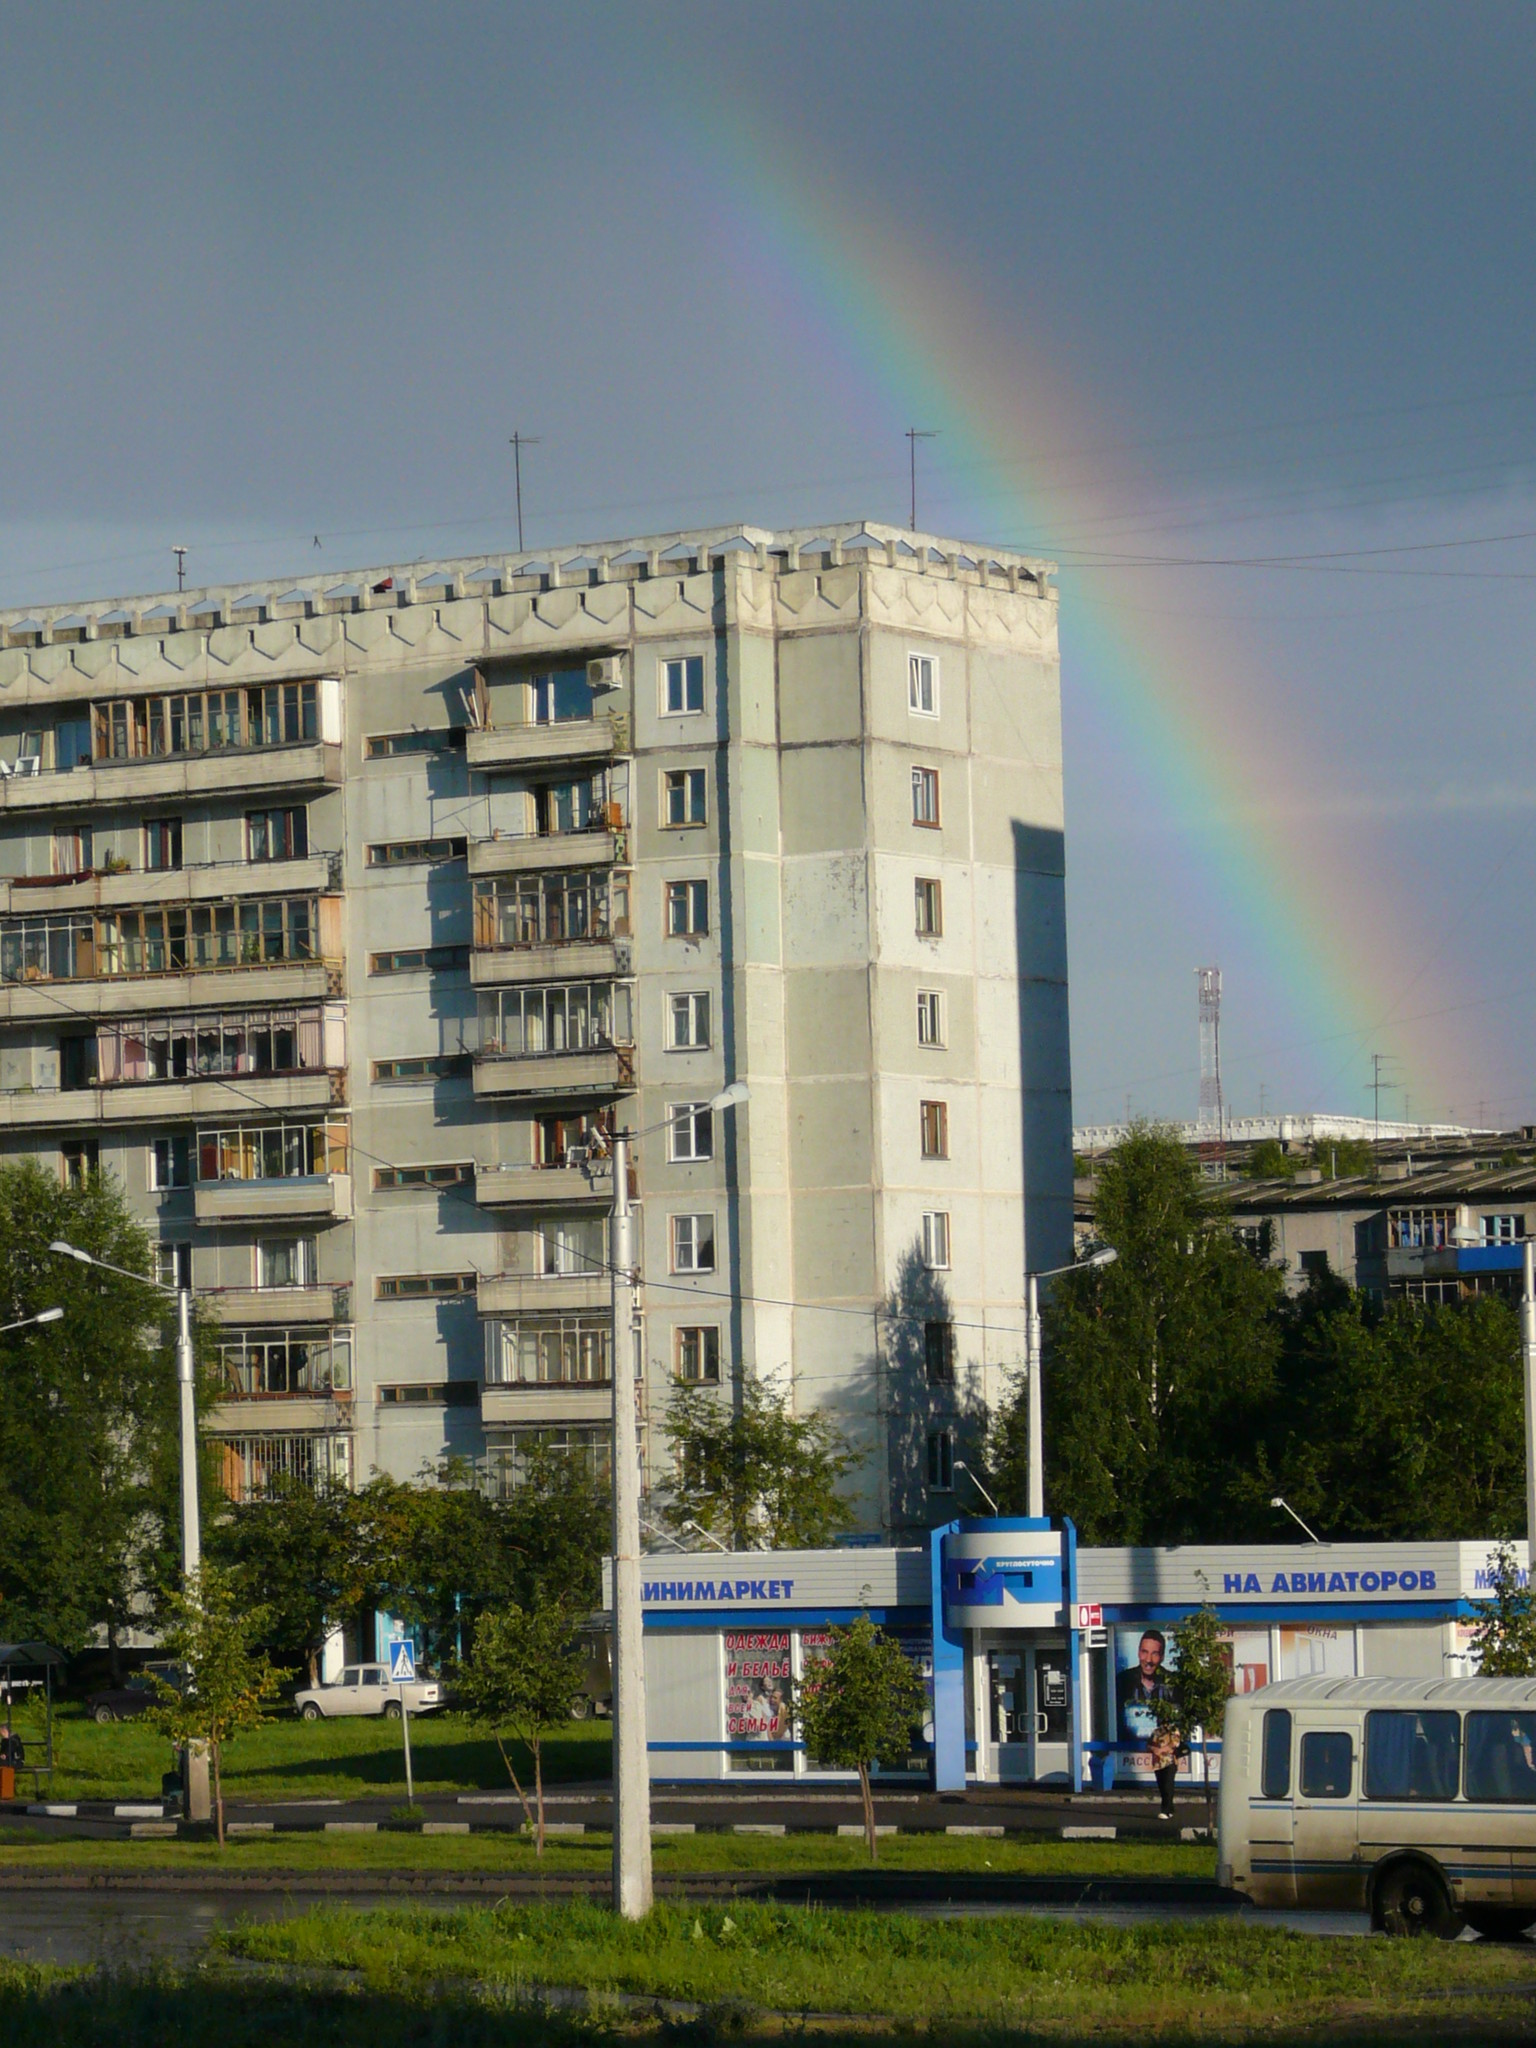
point(287, 1758)
point(1006, 1974)
point(672, 1854)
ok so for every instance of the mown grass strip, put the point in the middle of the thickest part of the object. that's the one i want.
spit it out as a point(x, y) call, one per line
point(1009, 1973)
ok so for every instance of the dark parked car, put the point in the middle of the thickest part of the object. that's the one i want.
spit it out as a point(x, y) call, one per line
point(136, 1695)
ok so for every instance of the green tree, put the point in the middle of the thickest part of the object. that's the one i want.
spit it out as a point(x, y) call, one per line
point(1505, 1634)
point(210, 1631)
point(754, 1475)
point(558, 1523)
point(1269, 1160)
point(526, 1669)
point(1201, 1685)
point(1159, 1369)
point(89, 1444)
point(1344, 1158)
point(858, 1705)
point(295, 1550)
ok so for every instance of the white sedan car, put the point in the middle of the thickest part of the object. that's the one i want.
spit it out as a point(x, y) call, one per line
point(365, 1689)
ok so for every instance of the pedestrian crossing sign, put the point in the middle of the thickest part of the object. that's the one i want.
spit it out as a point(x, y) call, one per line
point(402, 1661)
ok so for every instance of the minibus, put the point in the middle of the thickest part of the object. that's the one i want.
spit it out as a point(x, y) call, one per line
point(1411, 1799)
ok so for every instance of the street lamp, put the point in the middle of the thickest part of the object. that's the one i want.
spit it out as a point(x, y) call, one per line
point(631, 1767)
point(47, 1315)
point(961, 1466)
point(1276, 1501)
point(1106, 1255)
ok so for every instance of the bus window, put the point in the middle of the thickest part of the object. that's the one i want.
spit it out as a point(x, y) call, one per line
point(1327, 1764)
point(1412, 1755)
point(1501, 1757)
point(1275, 1775)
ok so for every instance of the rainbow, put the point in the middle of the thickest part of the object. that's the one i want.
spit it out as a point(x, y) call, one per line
point(1345, 968)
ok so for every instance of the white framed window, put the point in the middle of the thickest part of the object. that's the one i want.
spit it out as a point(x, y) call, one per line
point(285, 1262)
point(925, 796)
point(930, 1016)
point(688, 1020)
point(693, 1244)
point(170, 1161)
point(929, 907)
point(696, 1352)
point(173, 1265)
point(923, 685)
point(687, 909)
point(684, 797)
point(941, 1460)
point(936, 1240)
point(682, 685)
point(690, 1131)
point(575, 1247)
point(1509, 1229)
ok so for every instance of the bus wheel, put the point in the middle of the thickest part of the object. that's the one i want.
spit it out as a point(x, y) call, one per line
point(1500, 1923)
point(1412, 1900)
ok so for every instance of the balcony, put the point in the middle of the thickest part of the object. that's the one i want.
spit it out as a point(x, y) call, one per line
point(142, 1102)
point(275, 982)
point(517, 856)
point(603, 1071)
point(241, 1413)
point(133, 886)
point(538, 746)
point(544, 1404)
point(543, 1294)
point(498, 1187)
point(230, 772)
point(273, 1305)
point(573, 960)
point(315, 1196)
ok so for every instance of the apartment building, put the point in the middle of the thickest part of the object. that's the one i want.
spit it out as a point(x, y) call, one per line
point(341, 920)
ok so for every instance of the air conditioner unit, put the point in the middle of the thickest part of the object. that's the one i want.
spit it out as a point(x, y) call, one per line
point(606, 672)
point(575, 1155)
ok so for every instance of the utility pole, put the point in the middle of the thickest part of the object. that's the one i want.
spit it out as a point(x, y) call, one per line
point(632, 1895)
point(1528, 1360)
point(181, 565)
point(914, 435)
point(519, 443)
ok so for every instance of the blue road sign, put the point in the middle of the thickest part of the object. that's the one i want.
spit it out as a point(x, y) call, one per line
point(402, 1662)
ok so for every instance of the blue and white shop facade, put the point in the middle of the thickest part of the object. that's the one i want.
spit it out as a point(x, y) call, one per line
point(1041, 1656)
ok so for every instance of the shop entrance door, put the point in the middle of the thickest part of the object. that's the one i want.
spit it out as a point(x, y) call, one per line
point(1031, 1711)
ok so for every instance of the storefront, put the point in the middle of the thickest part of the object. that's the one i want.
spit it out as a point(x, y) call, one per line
point(1043, 1660)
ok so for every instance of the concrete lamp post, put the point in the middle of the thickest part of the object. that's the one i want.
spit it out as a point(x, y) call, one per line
point(195, 1765)
point(1106, 1255)
point(632, 1894)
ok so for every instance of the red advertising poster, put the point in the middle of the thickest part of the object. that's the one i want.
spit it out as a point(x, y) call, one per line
point(759, 1697)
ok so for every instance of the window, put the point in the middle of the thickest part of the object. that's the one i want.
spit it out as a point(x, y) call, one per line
point(688, 1020)
point(923, 685)
point(447, 1066)
point(696, 1352)
point(925, 796)
point(1501, 1757)
point(687, 909)
point(285, 1262)
point(1412, 1755)
point(400, 853)
point(693, 1244)
point(1327, 1764)
point(683, 797)
point(173, 1265)
point(73, 850)
point(936, 1240)
point(1313, 1264)
point(691, 1131)
point(554, 1017)
point(941, 1460)
point(935, 1127)
point(423, 1286)
point(72, 742)
point(930, 907)
point(419, 960)
point(682, 685)
point(170, 1161)
point(423, 1176)
point(1503, 1229)
point(432, 739)
point(1420, 1229)
point(437, 1394)
point(1275, 1766)
point(182, 1045)
point(550, 1351)
point(556, 909)
point(559, 696)
point(272, 1151)
point(930, 1016)
point(572, 1247)
point(277, 835)
point(162, 843)
point(79, 1158)
point(571, 1141)
point(939, 1354)
point(508, 1465)
point(580, 806)
point(260, 1363)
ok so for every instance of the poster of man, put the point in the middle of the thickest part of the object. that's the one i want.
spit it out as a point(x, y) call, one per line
point(1141, 1680)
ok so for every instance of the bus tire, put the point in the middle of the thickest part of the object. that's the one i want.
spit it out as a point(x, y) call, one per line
point(1412, 1899)
point(1500, 1923)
